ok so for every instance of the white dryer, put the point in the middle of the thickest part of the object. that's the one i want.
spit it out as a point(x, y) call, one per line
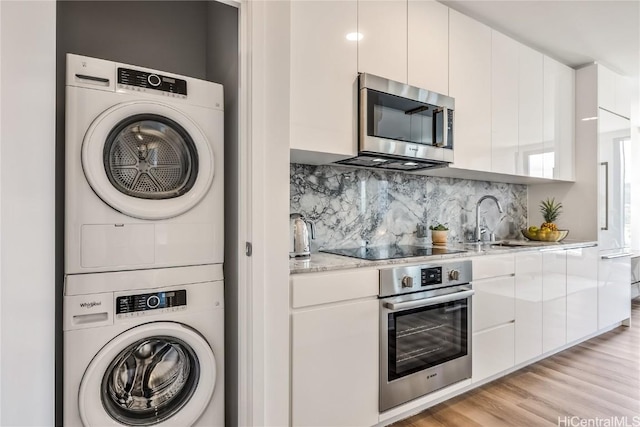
point(143, 168)
point(144, 348)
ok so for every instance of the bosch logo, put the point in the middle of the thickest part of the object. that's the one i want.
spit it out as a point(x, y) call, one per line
point(413, 149)
point(90, 304)
point(431, 375)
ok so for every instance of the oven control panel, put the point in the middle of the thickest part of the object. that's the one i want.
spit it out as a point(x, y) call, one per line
point(401, 280)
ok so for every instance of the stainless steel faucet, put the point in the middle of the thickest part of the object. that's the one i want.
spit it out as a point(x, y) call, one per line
point(478, 232)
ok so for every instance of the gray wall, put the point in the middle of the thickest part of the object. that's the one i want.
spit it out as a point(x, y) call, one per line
point(193, 38)
point(222, 67)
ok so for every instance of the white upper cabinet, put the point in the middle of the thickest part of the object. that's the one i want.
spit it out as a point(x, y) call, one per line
point(382, 48)
point(559, 121)
point(470, 85)
point(323, 79)
point(614, 92)
point(428, 45)
point(530, 109)
point(504, 103)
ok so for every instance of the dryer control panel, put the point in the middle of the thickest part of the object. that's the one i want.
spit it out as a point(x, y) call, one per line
point(139, 305)
point(135, 78)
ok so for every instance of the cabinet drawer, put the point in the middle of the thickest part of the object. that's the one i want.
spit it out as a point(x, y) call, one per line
point(321, 288)
point(493, 302)
point(493, 351)
point(493, 266)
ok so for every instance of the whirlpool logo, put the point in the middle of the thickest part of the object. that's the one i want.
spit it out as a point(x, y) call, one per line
point(90, 304)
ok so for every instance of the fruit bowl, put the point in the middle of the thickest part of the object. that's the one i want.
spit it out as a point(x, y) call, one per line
point(548, 236)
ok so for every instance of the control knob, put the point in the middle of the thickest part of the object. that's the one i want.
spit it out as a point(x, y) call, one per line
point(154, 80)
point(407, 282)
point(153, 301)
point(454, 275)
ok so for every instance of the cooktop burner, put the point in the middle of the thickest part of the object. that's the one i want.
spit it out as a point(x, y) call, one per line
point(375, 253)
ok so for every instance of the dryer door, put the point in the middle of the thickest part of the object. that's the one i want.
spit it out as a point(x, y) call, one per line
point(156, 374)
point(147, 160)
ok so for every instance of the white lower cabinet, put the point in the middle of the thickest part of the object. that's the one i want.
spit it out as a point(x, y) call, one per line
point(493, 302)
point(335, 365)
point(554, 300)
point(492, 351)
point(528, 307)
point(493, 317)
point(334, 348)
point(582, 292)
point(614, 292)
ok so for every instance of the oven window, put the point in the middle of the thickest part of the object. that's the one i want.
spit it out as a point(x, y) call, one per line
point(394, 117)
point(425, 337)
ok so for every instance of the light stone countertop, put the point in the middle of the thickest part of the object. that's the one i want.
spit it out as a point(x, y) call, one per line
point(321, 261)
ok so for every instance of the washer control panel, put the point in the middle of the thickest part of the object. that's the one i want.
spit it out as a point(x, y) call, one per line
point(131, 79)
point(139, 305)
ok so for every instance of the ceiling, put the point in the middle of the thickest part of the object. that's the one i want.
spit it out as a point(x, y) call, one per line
point(575, 32)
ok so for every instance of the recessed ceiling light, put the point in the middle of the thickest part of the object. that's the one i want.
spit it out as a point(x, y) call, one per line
point(586, 119)
point(352, 37)
point(410, 164)
point(379, 160)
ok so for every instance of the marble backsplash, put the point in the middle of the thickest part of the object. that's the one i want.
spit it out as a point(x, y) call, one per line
point(353, 207)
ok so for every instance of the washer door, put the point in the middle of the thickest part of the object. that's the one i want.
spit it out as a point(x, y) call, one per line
point(147, 160)
point(156, 374)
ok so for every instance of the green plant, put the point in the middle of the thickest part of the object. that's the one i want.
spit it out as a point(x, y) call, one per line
point(439, 227)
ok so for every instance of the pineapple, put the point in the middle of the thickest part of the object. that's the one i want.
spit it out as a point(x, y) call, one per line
point(550, 212)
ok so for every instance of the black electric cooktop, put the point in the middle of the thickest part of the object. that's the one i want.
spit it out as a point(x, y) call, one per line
point(375, 253)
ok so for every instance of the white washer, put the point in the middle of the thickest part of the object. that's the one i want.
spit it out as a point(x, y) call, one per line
point(143, 168)
point(144, 348)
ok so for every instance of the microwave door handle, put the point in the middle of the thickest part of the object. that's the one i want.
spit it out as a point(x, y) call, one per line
point(426, 302)
point(442, 142)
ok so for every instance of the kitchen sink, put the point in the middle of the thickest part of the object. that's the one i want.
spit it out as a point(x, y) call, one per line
point(508, 245)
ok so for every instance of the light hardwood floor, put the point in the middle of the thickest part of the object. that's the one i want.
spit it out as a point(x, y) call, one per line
point(598, 379)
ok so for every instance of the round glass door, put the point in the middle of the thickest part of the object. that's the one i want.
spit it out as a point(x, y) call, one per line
point(157, 374)
point(147, 160)
point(150, 381)
point(150, 157)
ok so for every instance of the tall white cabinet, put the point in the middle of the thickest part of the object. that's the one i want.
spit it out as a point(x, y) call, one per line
point(559, 119)
point(324, 69)
point(470, 85)
point(382, 50)
point(504, 103)
point(428, 45)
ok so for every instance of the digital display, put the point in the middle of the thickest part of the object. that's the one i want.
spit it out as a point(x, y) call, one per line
point(152, 301)
point(431, 276)
point(156, 82)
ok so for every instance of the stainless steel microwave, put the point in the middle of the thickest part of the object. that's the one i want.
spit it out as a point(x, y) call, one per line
point(402, 127)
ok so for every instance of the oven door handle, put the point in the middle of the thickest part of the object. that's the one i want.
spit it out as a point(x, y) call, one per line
point(425, 302)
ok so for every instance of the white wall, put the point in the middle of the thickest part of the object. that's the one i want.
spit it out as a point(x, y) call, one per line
point(635, 153)
point(269, 142)
point(27, 142)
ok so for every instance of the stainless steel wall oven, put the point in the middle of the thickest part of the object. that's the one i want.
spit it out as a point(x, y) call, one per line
point(425, 329)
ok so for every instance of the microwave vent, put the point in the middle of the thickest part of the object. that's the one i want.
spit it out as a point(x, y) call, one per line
point(391, 163)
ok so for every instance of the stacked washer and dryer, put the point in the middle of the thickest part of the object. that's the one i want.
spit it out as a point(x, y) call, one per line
point(143, 316)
